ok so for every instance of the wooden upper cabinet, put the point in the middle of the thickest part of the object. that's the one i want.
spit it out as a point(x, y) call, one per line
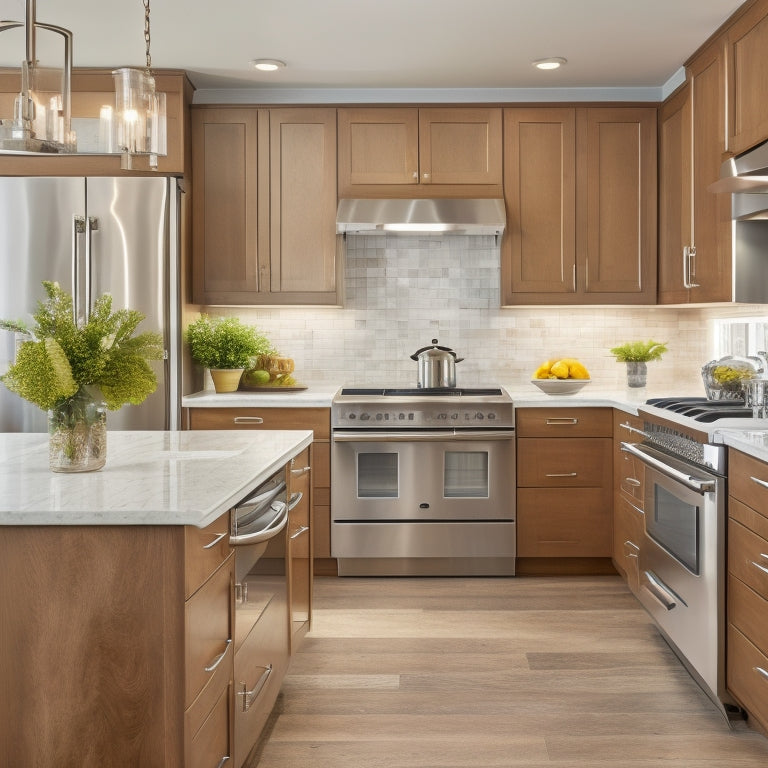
point(580, 186)
point(694, 223)
point(540, 194)
point(264, 205)
point(410, 152)
point(748, 80)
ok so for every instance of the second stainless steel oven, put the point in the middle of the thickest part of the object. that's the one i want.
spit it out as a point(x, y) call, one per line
point(423, 483)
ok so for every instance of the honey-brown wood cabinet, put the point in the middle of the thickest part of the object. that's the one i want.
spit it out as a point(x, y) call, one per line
point(420, 152)
point(580, 191)
point(747, 593)
point(316, 419)
point(564, 483)
point(694, 223)
point(264, 206)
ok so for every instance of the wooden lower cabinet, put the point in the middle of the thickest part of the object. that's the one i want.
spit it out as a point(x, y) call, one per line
point(564, 485)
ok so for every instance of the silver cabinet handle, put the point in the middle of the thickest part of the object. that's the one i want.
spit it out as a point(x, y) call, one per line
point(222, 761)
point(248, 420)
point(300, 471)
point(632, 481)
point(425, 176)
point(560, 420)
point(215, 663)
point(250, 696)
point(689, 267)
point(295, 499)
point(416, 175)
point(562, 474)
point(219, 537)
point(632, 429)
point(631, 549)
point(303, 529)
point(760, 482)
point(758, 566)
point(761, 671)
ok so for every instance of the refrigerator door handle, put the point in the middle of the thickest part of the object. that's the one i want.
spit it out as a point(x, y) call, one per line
point(91, 226)
point(78, 228)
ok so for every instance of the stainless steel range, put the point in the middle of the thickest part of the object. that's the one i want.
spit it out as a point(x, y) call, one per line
point(423, 482)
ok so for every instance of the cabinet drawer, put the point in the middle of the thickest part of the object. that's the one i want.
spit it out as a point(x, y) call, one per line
point(208, 625)
point(205, 549)
point(746, 476)
point(748, 558)
point(211, 744)
point(316, 419)
point(748, 612)
point(561, 461)
point(564, 522)
point(747, 675)
point(564, 422)
point(628, 530)
point(629, 472)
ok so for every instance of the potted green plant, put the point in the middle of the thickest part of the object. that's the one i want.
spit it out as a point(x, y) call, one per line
point(226, 346)
point(78, 370)
point(636, 354)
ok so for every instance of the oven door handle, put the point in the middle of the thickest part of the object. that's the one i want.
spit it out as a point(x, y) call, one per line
point(689, 481)
point(277, 525)
point(420, 437)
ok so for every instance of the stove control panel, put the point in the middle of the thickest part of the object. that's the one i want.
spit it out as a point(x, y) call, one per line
point(379, 415)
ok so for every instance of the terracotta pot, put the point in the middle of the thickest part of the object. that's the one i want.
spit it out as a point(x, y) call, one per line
point(226, 379)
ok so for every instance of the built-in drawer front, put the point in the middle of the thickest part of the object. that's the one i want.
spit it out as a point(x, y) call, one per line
point(205, 549)
point(748, 558)
point(748, 481)
point(209, 632)
point(564, 422)
point(316, 419)
point(748, 612)
point(564, 522)
point(747, 675)
point(209, 747)
point(628, 529)
point(560, 461)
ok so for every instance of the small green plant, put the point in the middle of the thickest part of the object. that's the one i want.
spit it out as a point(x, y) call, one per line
point(225, 342)
point(62, 355)
point(639, 351)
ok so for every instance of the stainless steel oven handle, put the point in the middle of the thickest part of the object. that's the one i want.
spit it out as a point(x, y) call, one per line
point(689, 481)
point(660, 591)
point(267, 533)
point(420, 437)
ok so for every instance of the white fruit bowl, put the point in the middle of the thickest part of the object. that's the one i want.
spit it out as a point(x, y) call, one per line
point(560, 386)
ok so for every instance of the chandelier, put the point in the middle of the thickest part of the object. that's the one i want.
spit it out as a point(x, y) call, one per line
point(41, 121)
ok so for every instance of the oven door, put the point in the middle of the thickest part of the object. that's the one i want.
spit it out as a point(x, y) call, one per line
point(681, 561)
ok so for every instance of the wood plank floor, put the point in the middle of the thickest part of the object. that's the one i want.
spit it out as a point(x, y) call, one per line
point(449, 673)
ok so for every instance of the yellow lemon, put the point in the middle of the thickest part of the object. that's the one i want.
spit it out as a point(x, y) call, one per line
point(560, 369)
point(577, 370)
point(542, 372)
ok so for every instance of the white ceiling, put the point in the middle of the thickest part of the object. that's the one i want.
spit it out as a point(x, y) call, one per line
point(636, 46)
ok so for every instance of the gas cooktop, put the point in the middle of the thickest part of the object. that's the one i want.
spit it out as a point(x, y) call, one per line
point(702, 410)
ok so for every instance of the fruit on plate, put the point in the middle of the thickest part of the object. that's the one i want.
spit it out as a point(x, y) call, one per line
point(564, 368)
point(256, 378)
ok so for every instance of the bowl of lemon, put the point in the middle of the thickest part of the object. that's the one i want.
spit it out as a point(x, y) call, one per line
point(564, 376)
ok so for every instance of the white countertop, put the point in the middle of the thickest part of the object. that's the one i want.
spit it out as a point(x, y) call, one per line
point(150, 478)
point(750, 441)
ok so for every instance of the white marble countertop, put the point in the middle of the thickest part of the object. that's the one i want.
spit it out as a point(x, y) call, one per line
point(312, 397)
point(750, 441)
point(150, 478)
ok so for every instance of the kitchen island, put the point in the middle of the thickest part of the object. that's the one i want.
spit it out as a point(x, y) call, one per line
point(117, 590)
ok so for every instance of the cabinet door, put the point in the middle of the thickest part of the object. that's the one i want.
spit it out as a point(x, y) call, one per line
point(675, 187)
point(748, 80)
point(377, 146)
point(229, 239)
point(616, 208)
point(460, 146)
point(711, 272)
point(539, 248)
point(303, 206)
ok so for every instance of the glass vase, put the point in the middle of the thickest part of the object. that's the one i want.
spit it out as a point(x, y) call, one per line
point(77, 431)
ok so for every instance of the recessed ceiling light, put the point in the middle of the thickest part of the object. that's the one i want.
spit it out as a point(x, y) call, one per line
point(267, 65)
point(555, 62)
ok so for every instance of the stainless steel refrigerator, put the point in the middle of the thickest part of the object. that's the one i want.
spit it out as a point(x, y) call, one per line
point(93, 235)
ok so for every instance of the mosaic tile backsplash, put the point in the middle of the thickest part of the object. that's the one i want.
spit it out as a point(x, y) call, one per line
point(402, 292)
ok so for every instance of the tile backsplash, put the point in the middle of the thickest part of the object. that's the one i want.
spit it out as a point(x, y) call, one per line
point(402, 292)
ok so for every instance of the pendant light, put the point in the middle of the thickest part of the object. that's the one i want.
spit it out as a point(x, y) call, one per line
point(42, 109)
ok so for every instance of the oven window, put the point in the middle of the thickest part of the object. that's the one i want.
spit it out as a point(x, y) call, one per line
point(465, 475)
point(675, 525)
point(377, 475)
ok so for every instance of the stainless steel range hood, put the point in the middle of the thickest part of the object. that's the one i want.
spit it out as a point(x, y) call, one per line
point(447, 216)
point(746, 173)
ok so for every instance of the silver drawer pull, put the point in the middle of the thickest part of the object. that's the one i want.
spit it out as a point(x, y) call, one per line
point(761, 671)
point(250, 696)
point(222, 761)
point(215, 663)
point(562, 474)
point(300, 471)
point(219, 537)
point(632, 481)
point(559, 420)
point(763, 483)
point(759, 567)
point(630, 428)
point(295, 499)
point(248, 420)
point(631, 549)
point(301, 530)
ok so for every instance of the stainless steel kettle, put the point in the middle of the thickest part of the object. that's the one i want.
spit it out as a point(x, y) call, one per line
point(437, 366)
